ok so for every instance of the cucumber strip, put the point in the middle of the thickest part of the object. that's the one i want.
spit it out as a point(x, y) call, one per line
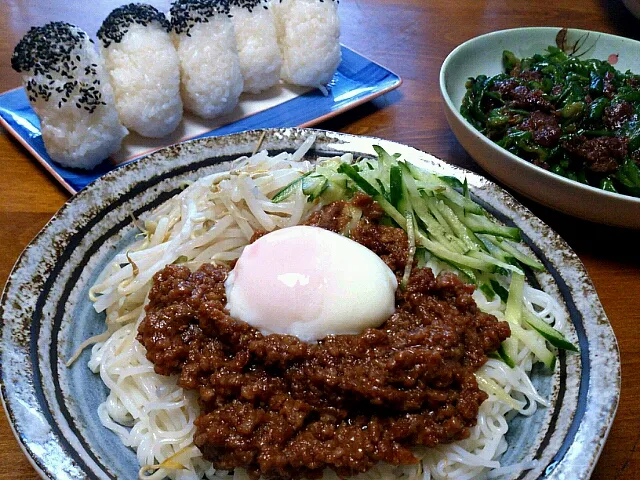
point(449, 184)
point(423, 176)
point(313, 186)
point(382, 189)
point(471, 277)
point(535, 343)
point(435, 227)
point(516, 253)
point(502, 353)
point(513, 311)
point(391, 211)
point(456, 209)
point(495, 251)
point(487, 290)
point(465, 203)
point(288, 189)
point(385, 162)
point(353, 174)
point(492, 388)
point(430, 203)
point(421, 257)
point(384, 157)
point(395, 187)
point(445, 254)
point(502, 292)
point(510, 346)
point(412, 248)
point(467, 275)
point(513, 315)
point(404, 202)
point(369, 189)
point(459, 229)
point(553, 336)
point(453, 181)
point(498, 263)
point(482, 224)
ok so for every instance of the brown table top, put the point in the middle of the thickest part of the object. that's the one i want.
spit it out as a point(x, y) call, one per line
point(412, 38)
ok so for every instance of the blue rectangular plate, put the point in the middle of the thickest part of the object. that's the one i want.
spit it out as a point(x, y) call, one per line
point(358, 80)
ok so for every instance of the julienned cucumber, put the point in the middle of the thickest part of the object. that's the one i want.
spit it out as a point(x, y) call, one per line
point(450, 226)
point(552, 336)
point(286, 191)
point(533, 339)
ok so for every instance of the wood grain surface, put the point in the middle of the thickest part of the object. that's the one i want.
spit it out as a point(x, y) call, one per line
point(412, 38)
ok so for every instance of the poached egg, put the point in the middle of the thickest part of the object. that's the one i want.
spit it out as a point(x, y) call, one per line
point(310, 282)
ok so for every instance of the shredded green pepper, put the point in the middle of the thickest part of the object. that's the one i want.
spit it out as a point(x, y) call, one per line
point(579, 118)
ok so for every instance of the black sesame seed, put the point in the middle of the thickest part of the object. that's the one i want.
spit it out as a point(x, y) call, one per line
point(49, 55)
point(117, 23)
point(42, 49)
point(185, 14)
point(247, 4)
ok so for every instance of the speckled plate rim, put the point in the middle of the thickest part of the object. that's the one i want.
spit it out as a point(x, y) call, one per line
point(33, 325)
point(521, 166)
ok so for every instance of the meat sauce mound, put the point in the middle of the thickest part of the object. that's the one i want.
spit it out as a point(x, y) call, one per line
point(284, 409)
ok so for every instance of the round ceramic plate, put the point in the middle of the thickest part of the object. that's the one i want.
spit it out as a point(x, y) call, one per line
point(46, 314)
point(483, 55)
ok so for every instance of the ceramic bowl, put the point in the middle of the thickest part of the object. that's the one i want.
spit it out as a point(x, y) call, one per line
point(483, 55)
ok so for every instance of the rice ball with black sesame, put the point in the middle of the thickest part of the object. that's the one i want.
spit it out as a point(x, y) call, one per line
point(69, 90)
point(257, 44)
point(143, 68)
point(309, 38)
point(210, 77)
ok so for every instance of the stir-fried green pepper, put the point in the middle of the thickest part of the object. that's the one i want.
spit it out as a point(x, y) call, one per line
point(579, 118)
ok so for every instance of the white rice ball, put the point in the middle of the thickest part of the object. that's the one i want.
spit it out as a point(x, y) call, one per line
point(69, 90)
point(143, 68)
point(257, 43)
point(309, 38)
point(210, 76)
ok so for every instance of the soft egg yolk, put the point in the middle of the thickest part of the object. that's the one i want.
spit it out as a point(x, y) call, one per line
point(310, 282)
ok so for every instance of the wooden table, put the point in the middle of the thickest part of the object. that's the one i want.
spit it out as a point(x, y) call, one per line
point(411, 37)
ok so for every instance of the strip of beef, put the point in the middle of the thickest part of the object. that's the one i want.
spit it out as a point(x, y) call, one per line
point(617, 115)
point(600, 154)
point(521, 96)
point(544, 127)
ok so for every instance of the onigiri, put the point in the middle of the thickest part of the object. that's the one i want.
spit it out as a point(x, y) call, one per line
point(258, 51)
point(143, 68)
point(69, 90)
point(210, 76)
point(309, 39)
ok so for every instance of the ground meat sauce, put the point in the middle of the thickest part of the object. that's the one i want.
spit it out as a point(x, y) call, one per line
point(285, 409)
